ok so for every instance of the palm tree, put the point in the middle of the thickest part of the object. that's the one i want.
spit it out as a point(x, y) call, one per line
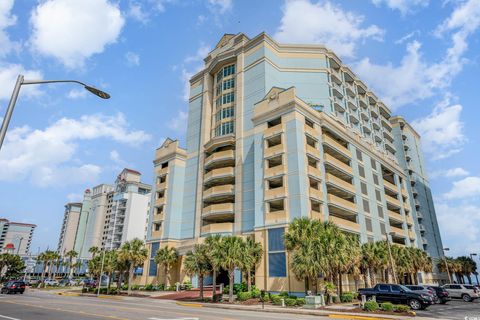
point(110, 265)
point(134, 253)
point(252, 254)
point(215, 257)
point(166, 257)
point(71, 255)
point(46, 258)
point(232, 248)
point(57, 260)
point(196, 263)
point(94, 250)
point(350, 259)
point(369, 263)
point(467, 267)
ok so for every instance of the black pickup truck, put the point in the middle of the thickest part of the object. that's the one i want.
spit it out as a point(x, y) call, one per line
point(397, 294)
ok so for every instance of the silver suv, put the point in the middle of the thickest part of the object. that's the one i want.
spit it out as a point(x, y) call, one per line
point(466, 292)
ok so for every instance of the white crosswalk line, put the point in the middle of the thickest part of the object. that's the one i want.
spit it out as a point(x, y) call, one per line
point(173, 319)
point(9, 318)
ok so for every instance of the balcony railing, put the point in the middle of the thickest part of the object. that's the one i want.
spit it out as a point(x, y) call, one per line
point(337, 163)
point(219, 191)
point(219, 156)
point(316, 194)
point(275, 217)
point(275, 171)
point(313, 151)
point(393, 200)
point(330, 178)
point(315, 172)
point(275, 193)
point(220, 208)
point(398, 231)
point(345, 224)
point(272, 151)
point(390, 186)
point(336, 145)
point(213, 228)
point(273, 130)
point(337, 201)
point(395, 216)
point(219, 173)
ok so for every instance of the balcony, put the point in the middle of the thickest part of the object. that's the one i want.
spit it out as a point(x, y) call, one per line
point(156, 234)
point(331, 142)
point(311, 131)
point(386, 124)
point(220, 157)
point(345, 224)
point(409, 220)
point(337, 90)
point(274, 171)
point(313, 151)
point(342, 203)
point(395, 216)
point(337, 164)
point(352, 103)
point(160, 202)
point(411, 235)
point(279, 128)
point(162, 172)
point(275, 217)
point(273, 151)
point(316, 194)
point(406, 207)
point(375, 124)
point(160, 187)
point(393, 201)
point(398, 231)
point(404, 192)
point(354, 118)
point(388, 135)
point(339, 104)
point(317, 215)
point(390, 186)
point(374, 113)
point(219, 174)
point(342, 184)
point(156, 217)
point(213, 228)
point(275, 193)
point(219, 191)
point(350, 89)
point(219, 209)
point(337, 75)
point(389, 146)
point(314, 172)
point(363, 103)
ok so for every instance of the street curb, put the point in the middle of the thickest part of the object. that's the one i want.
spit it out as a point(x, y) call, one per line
point(189, 304)
point(345, 315)
point(68, 294)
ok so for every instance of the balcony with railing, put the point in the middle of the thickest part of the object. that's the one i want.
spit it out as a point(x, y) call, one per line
point(316, 194)
point(219, 191)
point(345, 224)
point(390, 186)
point(275, 193)
point(220, 158)
point(313, 151)
point(393, 201)
point(337, 90)
point(333, 143)
point(339, 104)
point(219, 210)
point(329, 159)
point(217, 228)
point(311, 131)
point(398, 231)
point(219, 174)
point(339, 183)
point(341, 203)
point(275, 171)
point(395, 216)
point(277, 129)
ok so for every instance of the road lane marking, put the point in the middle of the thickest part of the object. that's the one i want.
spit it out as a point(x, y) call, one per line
point(347, 316)
point(71, 311)
point(173, 319)
point(10, 318)
point(189, 304)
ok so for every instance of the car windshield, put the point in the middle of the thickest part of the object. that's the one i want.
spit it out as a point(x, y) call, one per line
point(404, 288)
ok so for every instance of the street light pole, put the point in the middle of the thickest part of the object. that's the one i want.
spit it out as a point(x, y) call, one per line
point(391, 259)
point(16, 90)
point(476, 272)
point(446, 264)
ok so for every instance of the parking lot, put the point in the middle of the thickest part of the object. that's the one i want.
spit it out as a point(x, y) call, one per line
point(455, 309)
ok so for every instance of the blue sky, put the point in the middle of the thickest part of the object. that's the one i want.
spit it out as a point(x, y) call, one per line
point(421, 57)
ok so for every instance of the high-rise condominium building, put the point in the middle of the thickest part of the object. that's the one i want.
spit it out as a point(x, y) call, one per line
point(15, 237)
point(277, 132)
point(70, 224)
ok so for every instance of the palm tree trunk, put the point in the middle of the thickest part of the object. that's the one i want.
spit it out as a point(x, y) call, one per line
point(230, 287)
point(373, 277)
point(314, 286)
point(356, 280)
point(200, 278)
point(469, 279)
point(130, 280)
point(166, 275)
point(214, 283)
point(340, 284)
point(306, 285)
point(43, 275)
point(249, 281)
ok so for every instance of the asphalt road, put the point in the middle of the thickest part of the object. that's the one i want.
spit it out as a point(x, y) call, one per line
point(455, 309)
point(47, 306)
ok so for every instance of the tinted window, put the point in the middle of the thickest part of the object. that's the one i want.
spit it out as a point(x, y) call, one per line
point(469, 287)
point(396, 288)
point(455, 286)
point(383, 287)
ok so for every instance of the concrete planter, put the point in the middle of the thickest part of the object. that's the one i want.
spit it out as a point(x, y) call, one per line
point(314, 302)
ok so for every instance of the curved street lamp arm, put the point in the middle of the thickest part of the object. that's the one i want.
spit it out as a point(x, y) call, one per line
point(51, 81)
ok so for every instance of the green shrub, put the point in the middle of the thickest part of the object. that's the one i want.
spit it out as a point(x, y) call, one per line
point(290, 302)
point(243, 296)
point(335, 299)
point(346, 297)
point(255, 293)
point(387, 306)
point(124, 287)
point(276, 299)
point(283, 294)
point(300, 301)
point(370, 306)
point(150, 287)
point(401, 308)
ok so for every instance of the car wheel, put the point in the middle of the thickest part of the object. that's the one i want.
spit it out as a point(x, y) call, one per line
point(466, 298)
point(415, 304)
point(370, 298)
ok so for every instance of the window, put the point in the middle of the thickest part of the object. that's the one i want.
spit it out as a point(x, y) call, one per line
point(368, 224)
point(152, 270)
point(396, 288)
point(375, 179)
point(274, 122)
point(219, 75)
point(228, 97)
point(309, 122)
point(361, 171)
point(218, 89)
point(380, 211)
point(363, 186)
point(164, 165)
point(229, 70)
point(224, 113)
point(359, 155)
point(382, 228)
point(366, 206)
point(374, 164)
point(224, 128)
point(277, 264)
point(370, 239)
point(383, 287)
point(377, 195)
point(228, 84)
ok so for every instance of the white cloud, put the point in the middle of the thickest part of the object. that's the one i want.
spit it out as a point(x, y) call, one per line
point(324, 23)
point(75, 197)
point(6, 20)
point(72, 31)
point(404, 6)
point(46, 157)
point(407, 37)
point(191, 65)
point(415, 78)
point(179, 123)
point(133, 59)
point(450, 173)
point(77, 94)
point(136, 11)
point(8, 78)
point(220, 6)
point(468, 187)
point(459, 227)
point(442, 131)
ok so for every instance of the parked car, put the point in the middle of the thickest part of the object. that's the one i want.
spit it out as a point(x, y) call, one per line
point(51, 282)
point(398, 294)
point(420, 288)
point(90, 283)
point(33, 282)
point(466, 292)
point(14, 286)
point(67, 282)
point(442, 294)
